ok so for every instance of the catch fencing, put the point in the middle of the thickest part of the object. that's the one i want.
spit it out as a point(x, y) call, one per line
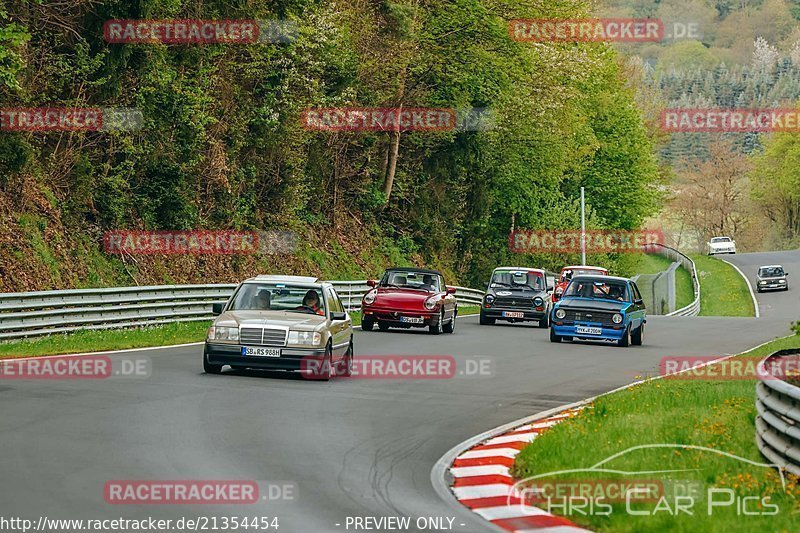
point(32, 314)
point(660, 288)
point(778, 416)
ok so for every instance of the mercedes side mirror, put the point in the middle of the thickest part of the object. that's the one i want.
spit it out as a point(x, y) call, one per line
point(216, 309)
point(337, 315)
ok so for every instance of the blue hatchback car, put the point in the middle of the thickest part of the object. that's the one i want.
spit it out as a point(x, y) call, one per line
point(599, 308)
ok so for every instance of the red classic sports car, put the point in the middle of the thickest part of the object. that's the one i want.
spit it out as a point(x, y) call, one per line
point(410, 298)
point(569, 271)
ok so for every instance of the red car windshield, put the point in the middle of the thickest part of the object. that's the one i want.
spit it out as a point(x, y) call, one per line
point(405, 279)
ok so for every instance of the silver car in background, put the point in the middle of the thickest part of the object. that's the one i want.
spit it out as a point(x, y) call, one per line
point(772, 278)
point(289, 323)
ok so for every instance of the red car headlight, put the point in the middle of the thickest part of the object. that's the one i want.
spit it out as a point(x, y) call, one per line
point(370, 297)
point(430, 303)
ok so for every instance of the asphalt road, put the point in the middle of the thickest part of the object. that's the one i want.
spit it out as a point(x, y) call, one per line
point(772, 304)
point(353, 448)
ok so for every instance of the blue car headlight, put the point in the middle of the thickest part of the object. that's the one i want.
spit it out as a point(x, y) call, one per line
point(617, 318)
point(560, 313)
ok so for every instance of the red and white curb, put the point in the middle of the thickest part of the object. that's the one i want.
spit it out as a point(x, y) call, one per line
point(483, 483)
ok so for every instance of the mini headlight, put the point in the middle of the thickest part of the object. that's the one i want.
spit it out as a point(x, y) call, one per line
point(560, 313)
point(559, 291)
point(538, 301)
point(223, 333)
point(305, 338)
point(430, 303)
point(369, 298)
point(617, 318)
point(489, 298)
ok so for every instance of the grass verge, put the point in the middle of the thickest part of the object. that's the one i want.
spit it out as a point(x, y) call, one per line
point(723, 291)
point(644, 264)
point(714, 414)
point(121, 339)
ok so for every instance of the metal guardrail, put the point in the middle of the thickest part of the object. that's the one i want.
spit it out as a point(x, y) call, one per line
point(778, 418)
point(31, 314)
point(693, 309)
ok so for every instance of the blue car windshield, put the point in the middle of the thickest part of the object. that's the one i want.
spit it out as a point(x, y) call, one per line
point(601, 290)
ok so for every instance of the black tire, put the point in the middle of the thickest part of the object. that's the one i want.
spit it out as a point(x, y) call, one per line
point(758, 290)
point(367, 324)
point(383, 326)
point(486, 321)
point(626, 338)
point(327, 371)
point(450, 327)
point(545, 323)
point(637, 337)
point(436, 329)
point(347, 371)
point(208, 367)
point(553, 336)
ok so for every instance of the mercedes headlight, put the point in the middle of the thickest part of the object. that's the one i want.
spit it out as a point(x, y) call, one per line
point(617, 318)
point(430, 303)
point(223, 333)
point(560, 313)
point(762, 282)
point(305, 338)
point(369, 298)
point(782, 281)
point(538, 302)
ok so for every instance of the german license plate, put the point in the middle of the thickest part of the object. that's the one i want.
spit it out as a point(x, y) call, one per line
point(412, 319)
point(258, 351)
point(513, 314)
point(588, 331)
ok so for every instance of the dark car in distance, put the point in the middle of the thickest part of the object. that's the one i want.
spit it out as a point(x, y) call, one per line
point(516, 294)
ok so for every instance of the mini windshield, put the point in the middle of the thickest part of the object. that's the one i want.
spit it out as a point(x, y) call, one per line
point(771, 272)
point(405, 279)
point(604, 290)
point(567, 274)
point(517, 279)
point(278, 297)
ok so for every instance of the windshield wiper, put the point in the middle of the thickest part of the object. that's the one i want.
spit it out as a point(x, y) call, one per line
point(502, 283)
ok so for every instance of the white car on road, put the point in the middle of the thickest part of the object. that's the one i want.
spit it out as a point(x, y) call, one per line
point(721, 245)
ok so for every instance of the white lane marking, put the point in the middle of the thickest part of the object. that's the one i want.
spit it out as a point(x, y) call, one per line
point(505, 439)
point(496, 452)
point(510, 511)
point(84, 354)
point(481, 491)
point(483, 470)
point(749, 287)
